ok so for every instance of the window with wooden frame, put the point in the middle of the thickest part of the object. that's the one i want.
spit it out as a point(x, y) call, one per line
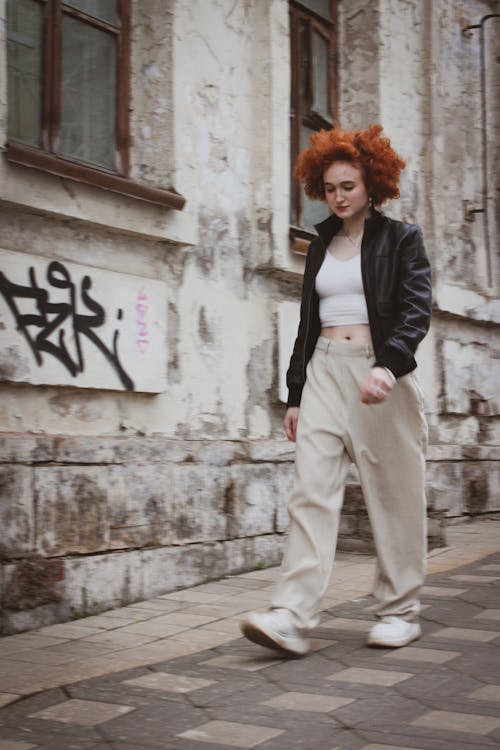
point(68, 92)
point(313, 38)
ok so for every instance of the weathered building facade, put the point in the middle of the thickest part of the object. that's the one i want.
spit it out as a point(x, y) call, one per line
point(144, 339)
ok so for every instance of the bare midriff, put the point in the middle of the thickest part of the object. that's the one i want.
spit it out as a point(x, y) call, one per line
point(354, 334)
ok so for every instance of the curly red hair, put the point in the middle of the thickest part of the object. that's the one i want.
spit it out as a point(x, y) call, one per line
point(366, 149)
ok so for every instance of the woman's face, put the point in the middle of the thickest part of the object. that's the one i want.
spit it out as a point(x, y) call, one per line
point(345, 190)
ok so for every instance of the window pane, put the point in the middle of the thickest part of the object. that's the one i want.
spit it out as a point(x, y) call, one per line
point(88, 93)
point(312, 211)
point(24, 62)
point(103, 9)
point(321, 7)
point(320, 73)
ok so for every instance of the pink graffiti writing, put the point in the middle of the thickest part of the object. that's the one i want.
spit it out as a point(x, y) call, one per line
point(141, 308)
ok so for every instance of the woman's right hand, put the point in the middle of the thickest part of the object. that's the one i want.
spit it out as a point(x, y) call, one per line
point(290, 422)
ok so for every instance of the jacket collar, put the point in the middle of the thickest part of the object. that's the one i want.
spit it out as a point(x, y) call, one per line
point(328, 228)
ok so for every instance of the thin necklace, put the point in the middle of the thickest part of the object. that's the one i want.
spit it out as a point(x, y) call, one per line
point(355, 241)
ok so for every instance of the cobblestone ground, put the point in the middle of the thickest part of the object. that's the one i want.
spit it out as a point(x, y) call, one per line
point(440, 693)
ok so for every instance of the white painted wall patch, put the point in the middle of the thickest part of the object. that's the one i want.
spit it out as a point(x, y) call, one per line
point(63, 323)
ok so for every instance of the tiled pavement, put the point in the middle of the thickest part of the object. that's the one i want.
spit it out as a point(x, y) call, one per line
point(173, 672)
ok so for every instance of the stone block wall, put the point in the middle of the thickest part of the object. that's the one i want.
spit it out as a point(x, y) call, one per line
point(90, 523)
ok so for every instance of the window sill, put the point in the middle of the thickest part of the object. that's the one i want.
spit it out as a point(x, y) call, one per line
point(300, 239)
point(36, 159)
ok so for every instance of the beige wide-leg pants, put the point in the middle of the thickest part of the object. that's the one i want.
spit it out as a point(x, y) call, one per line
point(387, 442)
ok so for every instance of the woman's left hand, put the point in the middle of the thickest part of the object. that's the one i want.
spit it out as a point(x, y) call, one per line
point(376, 386)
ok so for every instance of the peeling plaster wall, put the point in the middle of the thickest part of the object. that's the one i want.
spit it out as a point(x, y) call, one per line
point(209, 86)
point(220, 314)
point(468, 310)
point(408, 64)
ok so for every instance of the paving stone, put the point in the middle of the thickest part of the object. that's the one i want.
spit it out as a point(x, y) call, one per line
point(119, 639)
point(489, 614)
point(158, 606)
point(231, 734)
point(229, 625)
point(478, 663)
point(153, 628)
point(216, 610)
point(421, 739)
point(412, 653)
point(435, 682)
point(370, 676)
point(13, 712)
point(466, 634)
point(475, 578)
point(223, 693)
point(68, 630)
point(154, 724)
point(379, 709)
point(169, 682)
point(6, 698)
point(64, 653)
point(346, 623)
point(82, 712)
point(248, 663)
point(297, 674)
point(486, 693)
point(193, 595)
point(49, 742)
point(318, 644)
point(187, 619)
point(24, 677)
point(25, 642)
point(317, 738)
point(202, 638)
point(195, 677)
point(448, 613)
point(105, 622)
point(440, 591)
point(453, 721)
point(307, 702)
point(481, 596)
point(248, 707)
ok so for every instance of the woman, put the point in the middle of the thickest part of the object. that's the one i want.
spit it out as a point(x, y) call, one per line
point(366, 304)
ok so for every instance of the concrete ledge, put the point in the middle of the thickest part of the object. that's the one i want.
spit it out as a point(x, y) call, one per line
point(35, 449)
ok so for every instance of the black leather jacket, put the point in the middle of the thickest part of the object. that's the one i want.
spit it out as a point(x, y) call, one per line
point(397, 284)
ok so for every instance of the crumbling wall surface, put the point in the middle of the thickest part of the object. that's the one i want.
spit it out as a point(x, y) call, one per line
point(465, 261)
point(202, 133)
point(90, 523)
point(152, 93)
point(358, 54)
point(460, 92)
point(111, 495)
point(416, 68)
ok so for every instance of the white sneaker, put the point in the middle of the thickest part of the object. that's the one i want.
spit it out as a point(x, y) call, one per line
point(393, 632)
point(275, 629)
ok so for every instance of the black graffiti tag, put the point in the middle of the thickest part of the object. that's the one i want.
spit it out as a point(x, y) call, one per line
point(51, 316)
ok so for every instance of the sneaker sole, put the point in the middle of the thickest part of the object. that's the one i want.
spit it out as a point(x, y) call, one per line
point(274, 641)
point(381, 643)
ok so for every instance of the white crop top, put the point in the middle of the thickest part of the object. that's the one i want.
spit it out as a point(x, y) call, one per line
point(340, 289)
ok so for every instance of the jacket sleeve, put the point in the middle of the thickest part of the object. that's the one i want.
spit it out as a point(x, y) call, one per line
point(413, 305)
point(295, 376)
